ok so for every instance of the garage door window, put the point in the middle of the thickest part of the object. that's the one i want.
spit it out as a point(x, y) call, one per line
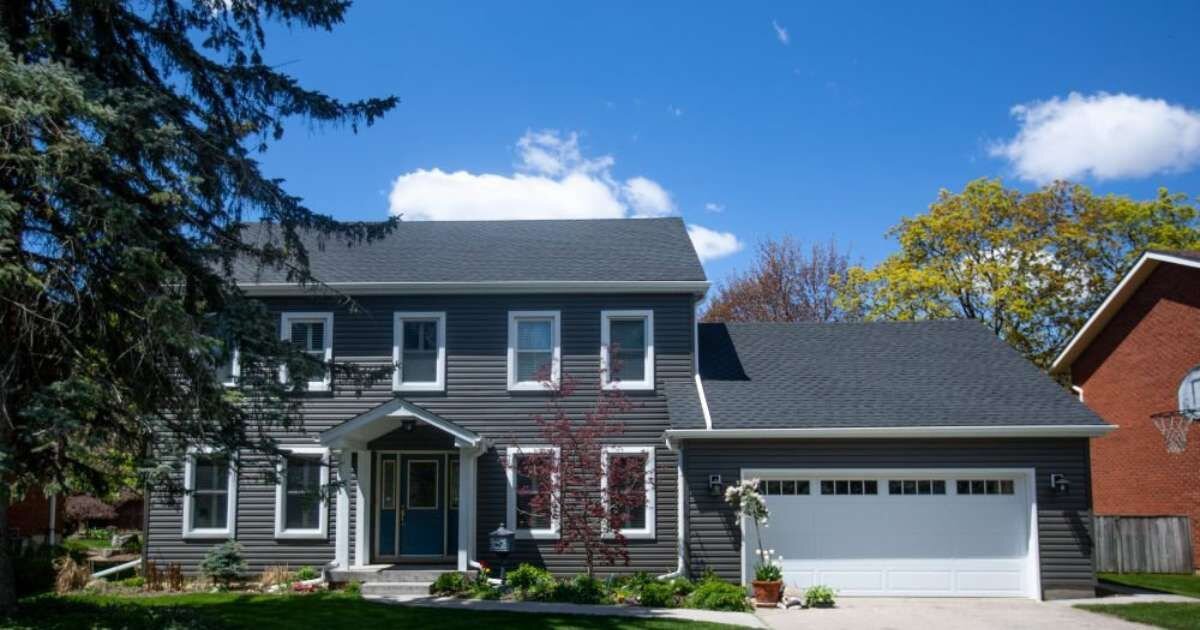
point(784, 487)
point(849, 486)
point(916, 486)
point(985, 486)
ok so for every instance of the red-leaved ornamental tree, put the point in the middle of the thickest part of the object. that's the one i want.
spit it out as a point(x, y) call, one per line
point(593, 495)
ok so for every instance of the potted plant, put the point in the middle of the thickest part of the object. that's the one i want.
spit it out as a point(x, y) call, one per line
point(768, 575)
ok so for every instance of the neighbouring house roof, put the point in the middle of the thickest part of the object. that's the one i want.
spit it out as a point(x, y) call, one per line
point(624, 251)
point(1125, 289)
point(867, 375)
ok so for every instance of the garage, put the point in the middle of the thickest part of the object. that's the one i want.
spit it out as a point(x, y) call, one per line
point(908, 532)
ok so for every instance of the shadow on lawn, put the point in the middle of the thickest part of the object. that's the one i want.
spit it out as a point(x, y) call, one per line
point(264, 612)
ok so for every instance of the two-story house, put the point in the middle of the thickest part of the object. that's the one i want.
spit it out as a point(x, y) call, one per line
point(1137, 361)
point(897, 458)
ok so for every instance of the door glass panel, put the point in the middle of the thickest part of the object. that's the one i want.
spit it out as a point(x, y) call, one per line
point(422, 484)
point(387, 495)
point(452, 484)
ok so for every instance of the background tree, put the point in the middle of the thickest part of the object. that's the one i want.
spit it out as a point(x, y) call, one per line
point(1032, 266)
point(567, 486)
point(786, 283)
point(127, 169)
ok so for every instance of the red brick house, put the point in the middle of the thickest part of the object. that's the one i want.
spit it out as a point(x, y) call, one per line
point(1139, 355)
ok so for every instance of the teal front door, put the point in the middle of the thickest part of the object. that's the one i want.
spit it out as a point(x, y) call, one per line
point(412, 505)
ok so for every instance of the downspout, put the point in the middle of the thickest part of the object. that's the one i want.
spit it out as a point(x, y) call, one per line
point(681, 521)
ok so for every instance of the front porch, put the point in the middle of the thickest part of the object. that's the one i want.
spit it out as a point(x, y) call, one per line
point(412, 476)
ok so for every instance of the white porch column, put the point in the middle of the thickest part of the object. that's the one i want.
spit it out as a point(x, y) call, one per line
point(362, 495)
point(342, 549)
point(467, 460)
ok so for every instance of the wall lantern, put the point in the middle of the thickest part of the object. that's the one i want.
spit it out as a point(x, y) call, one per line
point(408, 425)
point(715, 487)
point(1059, 483)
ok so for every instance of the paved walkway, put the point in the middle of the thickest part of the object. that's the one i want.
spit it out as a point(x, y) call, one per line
point(729, 618)
point(952, 614)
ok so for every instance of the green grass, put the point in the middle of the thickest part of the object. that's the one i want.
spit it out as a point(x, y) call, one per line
point(1177, 583)
point(1161, 614)
point(85, 544)
point(287, 612)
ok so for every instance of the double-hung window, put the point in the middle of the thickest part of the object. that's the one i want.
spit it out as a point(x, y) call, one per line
point(312, 334)
point(627, 349)
point(534, 349)
point(532, 511)
point(419, 352)
point(210, 494)
point(300, 504)
point(627, 488)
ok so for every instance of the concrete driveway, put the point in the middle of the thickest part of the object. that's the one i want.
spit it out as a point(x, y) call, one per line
point(943, 614)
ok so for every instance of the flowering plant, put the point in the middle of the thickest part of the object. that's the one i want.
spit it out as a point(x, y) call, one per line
point(744, 498)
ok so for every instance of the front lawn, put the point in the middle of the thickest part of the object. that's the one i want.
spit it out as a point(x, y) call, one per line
point(1161, 614)
point(287, 612)
point(1177, 583)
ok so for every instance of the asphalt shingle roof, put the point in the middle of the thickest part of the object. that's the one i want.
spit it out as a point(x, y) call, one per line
point(487, 251)
point(879, 374)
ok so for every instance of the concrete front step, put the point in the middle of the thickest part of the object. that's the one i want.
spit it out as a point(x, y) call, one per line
point(388, 589)
point(391, 575)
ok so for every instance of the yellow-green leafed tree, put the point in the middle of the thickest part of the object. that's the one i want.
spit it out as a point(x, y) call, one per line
point(1031, 266)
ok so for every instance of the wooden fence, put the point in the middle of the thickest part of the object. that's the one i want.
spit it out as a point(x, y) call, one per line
point(1143, 544)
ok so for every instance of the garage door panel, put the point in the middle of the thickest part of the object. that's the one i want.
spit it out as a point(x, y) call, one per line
point(901, 545)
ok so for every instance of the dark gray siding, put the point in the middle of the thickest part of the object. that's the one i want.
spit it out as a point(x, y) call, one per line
point(477, 398)
point(1064, 521)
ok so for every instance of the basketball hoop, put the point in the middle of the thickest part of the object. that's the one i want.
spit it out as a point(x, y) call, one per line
point(1174, 427)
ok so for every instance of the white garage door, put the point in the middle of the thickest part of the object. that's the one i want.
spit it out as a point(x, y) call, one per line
point(903, 533)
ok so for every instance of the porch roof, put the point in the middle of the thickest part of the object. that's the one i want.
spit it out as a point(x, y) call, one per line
point(361, 429)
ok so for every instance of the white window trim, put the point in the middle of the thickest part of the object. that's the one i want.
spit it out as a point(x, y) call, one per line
point(556, 356)
point(285, 333)
point(398, 383)
point(189, 484)
point(641, 533)
point(235, 369)
point(606, 318)
point(281, 530)
point(555, 523)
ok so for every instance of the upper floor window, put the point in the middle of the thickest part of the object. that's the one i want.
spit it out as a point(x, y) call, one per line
point(210, 488)
point(300, 506)
point(1189, 394)
point(419, 352)
point(311, 333)
point(627, 349)
point(230, 369)
point(534, 349)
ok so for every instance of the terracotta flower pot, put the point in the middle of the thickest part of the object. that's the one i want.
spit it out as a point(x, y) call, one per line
point(767, 593)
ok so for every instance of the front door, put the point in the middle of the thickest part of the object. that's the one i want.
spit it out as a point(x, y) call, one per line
point(412, 513)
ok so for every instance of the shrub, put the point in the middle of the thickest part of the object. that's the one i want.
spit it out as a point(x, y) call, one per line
point(531, 582)
point(72, 575)
point(769, 572)
point(353, 588)
point(819, 596)
point(136, 581)
point(581, 589)
point(713, 594)
point(307, 573)
point(657, 594)
point(452, 583)
point(682, 586)
point(276, 575)
point(224, 563)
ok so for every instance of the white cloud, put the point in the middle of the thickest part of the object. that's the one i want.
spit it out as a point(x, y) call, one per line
point(714, 207)
point(674, 111)
point(1105, 136)
point(553, 180)
point(711, 244)
point(781, 33)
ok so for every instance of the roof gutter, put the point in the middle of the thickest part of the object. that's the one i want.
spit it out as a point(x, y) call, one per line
point(266, 289)
point(675, 436)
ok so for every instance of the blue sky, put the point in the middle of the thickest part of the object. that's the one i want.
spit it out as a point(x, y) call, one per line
point(707, 111)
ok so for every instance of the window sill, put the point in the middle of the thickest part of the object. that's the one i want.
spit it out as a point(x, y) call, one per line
point(534, 386)
point(638, 534)
point(303, 534)
point(418, 387)
point(629, 386)
point(207, 534)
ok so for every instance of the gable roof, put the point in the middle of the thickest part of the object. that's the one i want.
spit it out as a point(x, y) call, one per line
point(878, 375)
point(1125, 289)
point(463, 254)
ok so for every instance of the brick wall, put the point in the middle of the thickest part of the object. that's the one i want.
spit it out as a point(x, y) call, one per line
point(1131, 370)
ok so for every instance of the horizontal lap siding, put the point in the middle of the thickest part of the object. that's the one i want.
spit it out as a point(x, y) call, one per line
point(1064, 521)
point(477, 398)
